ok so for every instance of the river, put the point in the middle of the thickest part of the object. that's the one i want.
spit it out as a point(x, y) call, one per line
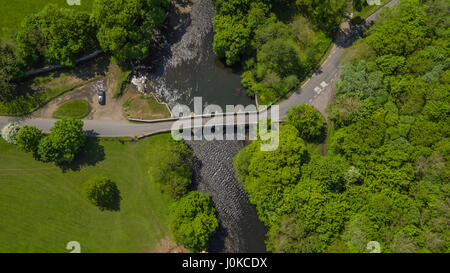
point(240, 230)
point(186, 67)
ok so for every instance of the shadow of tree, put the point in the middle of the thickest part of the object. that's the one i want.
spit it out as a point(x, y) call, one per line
point(90, 155)
point(85, 70)
point(357, 29)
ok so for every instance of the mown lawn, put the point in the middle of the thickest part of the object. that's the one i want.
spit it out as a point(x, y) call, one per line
point(13, 12)
point(42, 208)
point(73, 109)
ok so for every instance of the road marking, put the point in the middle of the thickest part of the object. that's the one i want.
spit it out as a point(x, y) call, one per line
point(324, 84)
point(318, 90)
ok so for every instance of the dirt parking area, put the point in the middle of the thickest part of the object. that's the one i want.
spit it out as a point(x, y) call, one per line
point(112, 110)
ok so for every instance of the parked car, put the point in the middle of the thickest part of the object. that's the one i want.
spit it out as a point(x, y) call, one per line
point(101, 97)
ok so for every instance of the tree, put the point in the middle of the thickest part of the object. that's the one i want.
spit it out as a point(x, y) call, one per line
point(268, 175)
point(55, 36)
point(27, 139)
point(102, 192)
point(425, 133)
point(327, 15)
point(64, 142)
point(361, 137)
point(242, 160)
point(126, 28)
point(234, 27)
point(401, 30)
point(10, 72)
point(328, 171)
point(290, 236)
point(231, 39)
point(362, 80)
point(271, 32)
point(172, 170)
point(344, 110)
point(193, 221)
point(310, 123)
point(281, 57)
point(10, 131)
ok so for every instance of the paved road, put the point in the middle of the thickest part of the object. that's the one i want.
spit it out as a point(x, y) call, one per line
point(320, 84)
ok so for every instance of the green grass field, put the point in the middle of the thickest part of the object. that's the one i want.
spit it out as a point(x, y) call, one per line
point(12, 13)
point(42, 208)
point(73, 109)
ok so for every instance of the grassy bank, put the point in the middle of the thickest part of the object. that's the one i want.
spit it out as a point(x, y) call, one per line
point(42, 207)
point(117, 79)
point(145, 107)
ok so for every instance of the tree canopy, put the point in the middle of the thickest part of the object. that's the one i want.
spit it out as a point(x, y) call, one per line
point(310, 123)
point(102, 192)
point(126, 28)
point(65, 140)
point(193, 221)
point(28, 138)
point(55, 36)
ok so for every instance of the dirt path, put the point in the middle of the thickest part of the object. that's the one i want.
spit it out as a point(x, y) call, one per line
point(112, 110)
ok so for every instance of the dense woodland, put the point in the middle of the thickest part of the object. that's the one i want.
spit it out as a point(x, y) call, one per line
point(386, 175)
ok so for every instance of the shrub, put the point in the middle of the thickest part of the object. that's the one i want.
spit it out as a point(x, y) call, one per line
point(193, 221)
point(10, 131)
point(9, 73)
point(102, 192)
point(28, 138)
